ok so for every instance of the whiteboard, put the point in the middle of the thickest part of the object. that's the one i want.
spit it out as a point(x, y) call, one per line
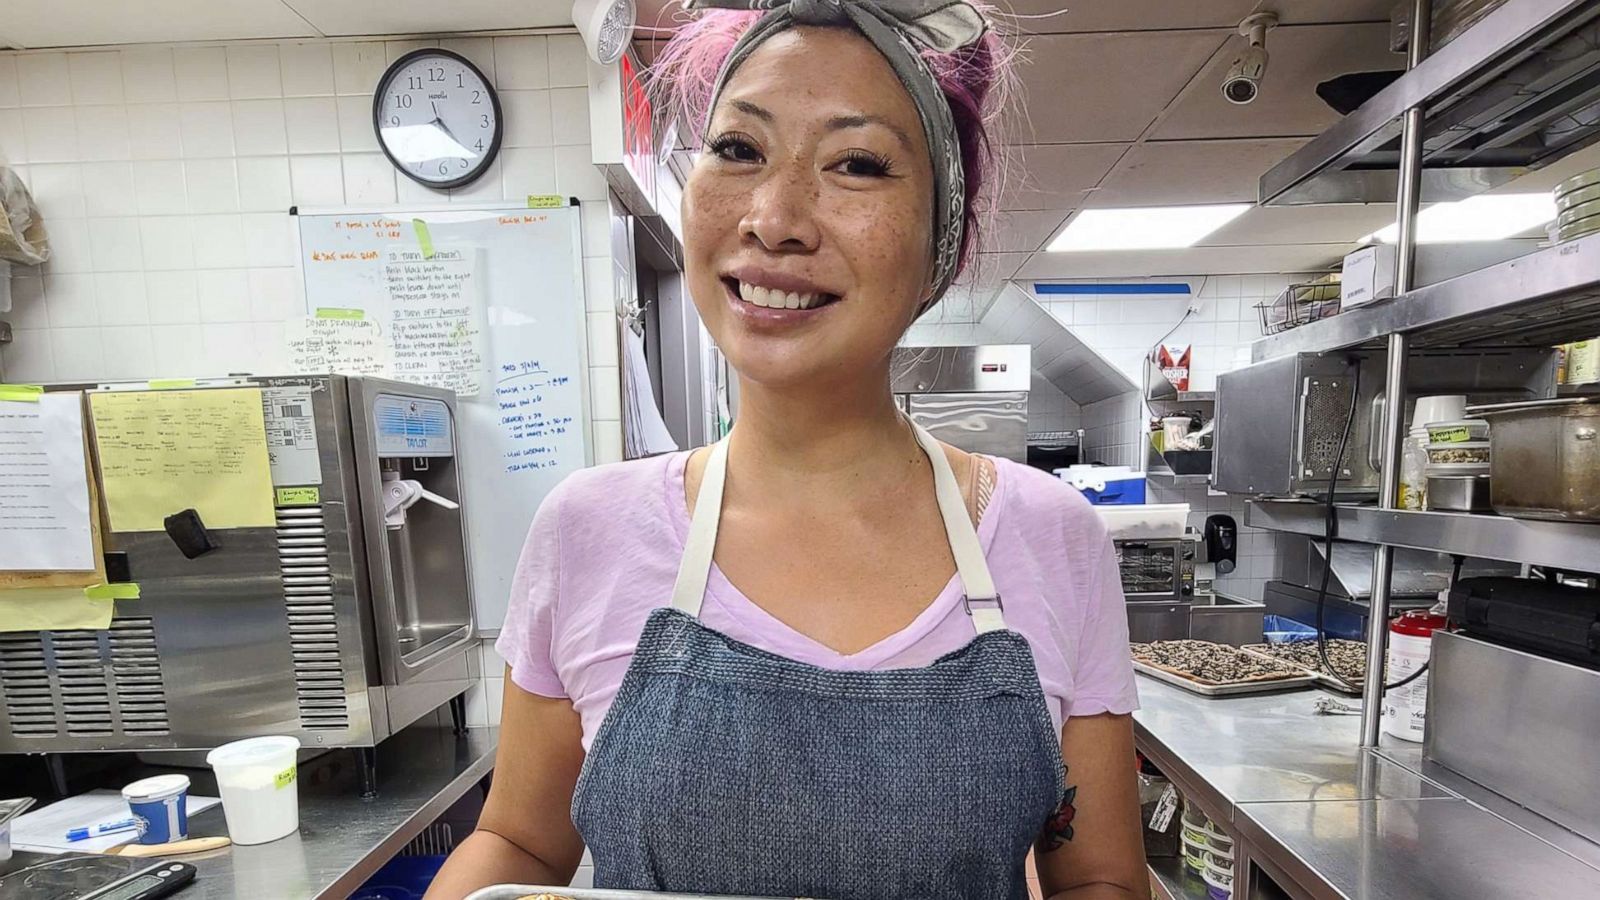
point(508, 284)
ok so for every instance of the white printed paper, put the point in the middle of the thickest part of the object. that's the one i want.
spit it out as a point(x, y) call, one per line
point(291, 436)
point(340, 346)
point(44, 488)
point(436, 328)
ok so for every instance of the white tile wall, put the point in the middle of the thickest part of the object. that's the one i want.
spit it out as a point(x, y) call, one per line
point(165, 175)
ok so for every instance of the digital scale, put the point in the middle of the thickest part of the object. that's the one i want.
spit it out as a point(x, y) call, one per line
point(77, 876)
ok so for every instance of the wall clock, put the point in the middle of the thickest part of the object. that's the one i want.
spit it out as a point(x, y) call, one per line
point(437, 118)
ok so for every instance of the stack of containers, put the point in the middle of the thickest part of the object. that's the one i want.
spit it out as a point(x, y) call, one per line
point(1458, 465)
point(1577, 207)
point(1208, 853)
point(1415, 470)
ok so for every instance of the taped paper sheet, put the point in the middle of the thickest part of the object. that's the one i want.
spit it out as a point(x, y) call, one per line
point(44, 486)
point(161, 452)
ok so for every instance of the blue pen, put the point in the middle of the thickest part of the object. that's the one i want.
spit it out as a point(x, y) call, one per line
point(83, 834)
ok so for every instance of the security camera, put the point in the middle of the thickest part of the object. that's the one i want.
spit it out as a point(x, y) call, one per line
point(1242, 84)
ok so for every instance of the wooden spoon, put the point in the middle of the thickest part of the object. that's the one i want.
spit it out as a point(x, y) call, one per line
point(176, 848)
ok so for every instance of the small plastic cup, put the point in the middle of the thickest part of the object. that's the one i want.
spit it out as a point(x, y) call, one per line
point(259, 787)
point(161, 804)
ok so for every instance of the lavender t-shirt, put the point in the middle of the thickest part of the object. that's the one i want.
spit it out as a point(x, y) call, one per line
point(604, 548)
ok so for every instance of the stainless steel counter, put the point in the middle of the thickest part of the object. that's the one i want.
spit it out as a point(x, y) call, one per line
point(1324, 819)
point(344, 839)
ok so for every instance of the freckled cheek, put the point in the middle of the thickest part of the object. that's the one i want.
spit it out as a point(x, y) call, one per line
point(888, 243)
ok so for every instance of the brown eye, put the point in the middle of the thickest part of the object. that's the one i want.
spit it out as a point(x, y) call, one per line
point(861, 164)
point(736, 148)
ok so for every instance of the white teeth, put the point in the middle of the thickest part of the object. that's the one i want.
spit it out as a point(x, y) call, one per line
point(760, 296)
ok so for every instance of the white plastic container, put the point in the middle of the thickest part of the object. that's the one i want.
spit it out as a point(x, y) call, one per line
point(1410, 644)
point(1175, 429)
point(1438, 408)
point(257, 778)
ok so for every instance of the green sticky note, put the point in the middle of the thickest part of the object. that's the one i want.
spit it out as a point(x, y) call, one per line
point(423, 237)
point(123, 591)
point(167, 384)
point(334, 312)
point(546, 201)
point(285, 778)
point(22, 393)
point(298, 496)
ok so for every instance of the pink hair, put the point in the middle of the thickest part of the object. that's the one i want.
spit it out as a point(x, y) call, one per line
point(975, 81)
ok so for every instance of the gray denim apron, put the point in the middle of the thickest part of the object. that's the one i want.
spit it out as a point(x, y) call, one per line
point(723, 769)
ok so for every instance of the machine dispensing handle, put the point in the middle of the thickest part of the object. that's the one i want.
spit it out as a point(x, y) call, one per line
point(400, 494)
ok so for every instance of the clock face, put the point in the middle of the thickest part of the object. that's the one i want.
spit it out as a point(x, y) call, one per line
point(437, 118)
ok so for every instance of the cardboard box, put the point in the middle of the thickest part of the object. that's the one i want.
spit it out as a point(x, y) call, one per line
point(1367, 275)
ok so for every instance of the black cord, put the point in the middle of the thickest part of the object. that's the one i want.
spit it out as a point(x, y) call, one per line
point(1330, 527)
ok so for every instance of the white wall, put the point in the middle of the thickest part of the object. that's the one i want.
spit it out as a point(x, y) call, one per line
point(165, 175)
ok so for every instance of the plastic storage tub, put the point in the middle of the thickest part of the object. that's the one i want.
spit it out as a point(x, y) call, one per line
point(1106, 485)
point(257, 778)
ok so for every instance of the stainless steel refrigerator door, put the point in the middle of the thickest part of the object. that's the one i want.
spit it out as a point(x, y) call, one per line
point(991, 423)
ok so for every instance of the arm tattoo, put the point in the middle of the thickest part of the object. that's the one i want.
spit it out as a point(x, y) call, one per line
point(1058, 828)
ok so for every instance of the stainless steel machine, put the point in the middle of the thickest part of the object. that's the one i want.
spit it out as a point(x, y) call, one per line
point(1280, 422)
point(972, 397)
point(1158, 582)
point(349, 620)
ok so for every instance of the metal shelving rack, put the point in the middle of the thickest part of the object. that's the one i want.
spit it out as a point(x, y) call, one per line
point(1517, 90)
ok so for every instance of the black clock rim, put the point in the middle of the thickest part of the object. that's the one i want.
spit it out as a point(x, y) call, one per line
point(494, 100)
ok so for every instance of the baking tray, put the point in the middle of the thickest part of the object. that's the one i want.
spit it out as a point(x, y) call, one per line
point(1294, 682)
point(517, 891)
point(1322, 679)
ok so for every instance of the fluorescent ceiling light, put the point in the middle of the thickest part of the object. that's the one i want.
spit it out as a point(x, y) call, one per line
point(1486, 217)
point(1145, 228)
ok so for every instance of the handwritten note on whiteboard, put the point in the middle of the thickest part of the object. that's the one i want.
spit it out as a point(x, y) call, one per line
point(531, 435)
point(435, 325)
point(44, 486)
point(161, 452)
point(342, 346)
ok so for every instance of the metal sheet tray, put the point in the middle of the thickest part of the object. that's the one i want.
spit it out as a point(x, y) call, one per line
point(1323, 680)
point(516, 891)
point(1227, 690)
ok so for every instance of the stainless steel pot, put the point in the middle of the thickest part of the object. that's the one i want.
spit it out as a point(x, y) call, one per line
point(1545, 461)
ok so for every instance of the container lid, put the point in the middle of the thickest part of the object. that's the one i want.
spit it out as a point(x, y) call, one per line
point(1578, 181)
point(158, 787)
point(1457, 423)
point(1418, 623)
point(1436, 470)
point(1458, 445)
point(252, 750)
point(1578, 195)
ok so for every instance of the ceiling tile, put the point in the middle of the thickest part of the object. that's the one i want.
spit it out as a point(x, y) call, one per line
point(1343, 224)
point(993, 267)
point(345, 17)
point(1025, 230)
point(79, 23)
point(1301, 57)
point(1105, 87)
point(1269, 259)
point(1167, 173)
point(1055, 176)
point(1126, 15)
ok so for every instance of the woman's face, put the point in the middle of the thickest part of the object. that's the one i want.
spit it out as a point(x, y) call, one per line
point(807, 220)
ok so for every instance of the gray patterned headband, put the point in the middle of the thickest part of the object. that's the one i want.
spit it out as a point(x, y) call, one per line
point(891, 26)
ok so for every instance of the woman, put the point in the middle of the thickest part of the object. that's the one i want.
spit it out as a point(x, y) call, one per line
point(726, 674)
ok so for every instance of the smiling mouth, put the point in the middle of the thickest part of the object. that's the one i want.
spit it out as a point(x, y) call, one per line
point(768, 298)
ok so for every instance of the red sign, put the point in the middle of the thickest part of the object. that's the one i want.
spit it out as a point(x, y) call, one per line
point(638, 130)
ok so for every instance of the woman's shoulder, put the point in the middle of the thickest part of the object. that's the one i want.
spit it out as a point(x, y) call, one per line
point(600, 493)
point(1037, 500)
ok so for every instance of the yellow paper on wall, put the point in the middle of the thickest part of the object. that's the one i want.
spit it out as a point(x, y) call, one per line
point(52, 609)
point(161, 452)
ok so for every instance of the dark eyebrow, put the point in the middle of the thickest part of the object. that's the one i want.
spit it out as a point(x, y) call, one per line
point(859, 121)
point(749, 108)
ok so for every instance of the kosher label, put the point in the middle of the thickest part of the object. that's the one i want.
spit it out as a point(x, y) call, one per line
point(291, 435)
point(285, 778)
point(1458, 434)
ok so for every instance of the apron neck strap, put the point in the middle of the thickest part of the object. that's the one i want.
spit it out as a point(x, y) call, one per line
point(981, 600)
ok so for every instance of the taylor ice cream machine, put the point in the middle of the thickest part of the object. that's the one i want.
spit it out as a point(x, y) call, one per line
point(348, 619)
